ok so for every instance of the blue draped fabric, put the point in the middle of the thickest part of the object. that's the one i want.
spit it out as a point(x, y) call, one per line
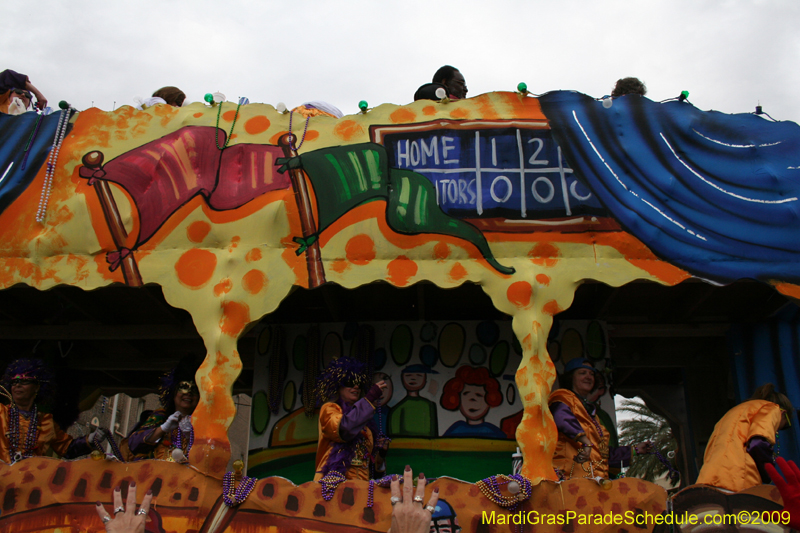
point(15, 131)
point(767, 353)
point(716, 194)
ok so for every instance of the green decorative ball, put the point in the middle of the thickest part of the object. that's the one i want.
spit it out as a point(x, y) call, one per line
point(362, 105)
point(209, 98)
point(522, 87)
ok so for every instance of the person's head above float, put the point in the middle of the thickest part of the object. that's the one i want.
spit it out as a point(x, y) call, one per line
point(451, 78)
point(767, 392)
point(171, 95)
point(579, 377)
point(178, 391)
point(28, 381)
point(344, 380)
point(629, 86)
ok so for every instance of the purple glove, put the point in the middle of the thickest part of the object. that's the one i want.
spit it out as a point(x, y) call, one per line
point(374, 393)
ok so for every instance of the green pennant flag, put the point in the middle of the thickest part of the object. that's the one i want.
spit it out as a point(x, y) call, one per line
point(344, 177)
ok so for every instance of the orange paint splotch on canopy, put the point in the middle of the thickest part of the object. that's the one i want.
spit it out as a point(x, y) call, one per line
point(257, 124)
point(197, 115)
point(312, 135)
point(274, 139)
point(459, 112)
point(520, 293)
point(527, 342)
point(229, 115)
point(253, 255)
point(360, 250)
point(235, 316)
point(543, 279)
point(195, 267)
point(639, 255)
point(486, 107)
point(254, 281)
point(223, 287)
point(234, 243)
point(400, 270)
point(403, 116)
point(197, 231)
point(428, 110)
point(457, 273)
point(544, 254)
point(522, 377)
point(340, 265)
point(551, 308)
point(441, 251)
point(521, 106)
point(347, 130)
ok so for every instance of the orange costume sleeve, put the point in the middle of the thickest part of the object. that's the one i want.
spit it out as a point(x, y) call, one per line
point(567, 448)
point(726, 463)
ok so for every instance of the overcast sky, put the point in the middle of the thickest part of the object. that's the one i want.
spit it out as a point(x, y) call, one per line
point(730, 55)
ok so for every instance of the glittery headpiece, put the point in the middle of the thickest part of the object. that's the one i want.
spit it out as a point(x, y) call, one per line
point(170, 381)
point(33, 369)
point(341, 371)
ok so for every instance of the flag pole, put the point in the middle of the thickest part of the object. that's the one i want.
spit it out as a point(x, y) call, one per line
point(130, 270)
point(316, 271)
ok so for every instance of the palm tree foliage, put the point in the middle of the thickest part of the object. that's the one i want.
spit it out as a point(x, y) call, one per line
point(646, 425)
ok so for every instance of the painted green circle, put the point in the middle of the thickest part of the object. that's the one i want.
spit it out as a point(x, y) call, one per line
point(331, 348)
point(571, 345)
point(260, 413)
point(499, 358)
point(428, 332)
point(477, 354)
point(595, 341)
point(299, 352)
point(401, 343)
point(451, 344)
point(289, 396)
point(263, 341)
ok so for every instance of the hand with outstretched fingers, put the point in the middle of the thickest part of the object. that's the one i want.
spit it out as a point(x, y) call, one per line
point(790, 488)
point(126, 518)
point(409, 515)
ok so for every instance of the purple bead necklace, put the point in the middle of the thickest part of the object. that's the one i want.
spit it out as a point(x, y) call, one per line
point(329, 484)
point(234, 495)
point(31, 438)
point(294, 137)
point(177, 439)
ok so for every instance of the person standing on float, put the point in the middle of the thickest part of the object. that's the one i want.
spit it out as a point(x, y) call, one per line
point(25, 431)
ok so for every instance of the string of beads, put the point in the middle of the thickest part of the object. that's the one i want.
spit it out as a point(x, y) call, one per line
point(177, 439)
point(31, 438)
point(234, 495)
point(216, 131)
point(52, 161)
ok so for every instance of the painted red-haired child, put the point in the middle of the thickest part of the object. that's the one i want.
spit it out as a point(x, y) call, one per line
point(473, 391)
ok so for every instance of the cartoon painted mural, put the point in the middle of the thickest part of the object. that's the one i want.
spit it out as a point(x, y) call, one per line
point(451, 393)
point(227, 210)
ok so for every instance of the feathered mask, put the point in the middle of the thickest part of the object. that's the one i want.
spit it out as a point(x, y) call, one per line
point(341, 372)
point(180, 377)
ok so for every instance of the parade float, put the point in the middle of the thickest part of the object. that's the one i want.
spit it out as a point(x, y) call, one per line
point(230, 209)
